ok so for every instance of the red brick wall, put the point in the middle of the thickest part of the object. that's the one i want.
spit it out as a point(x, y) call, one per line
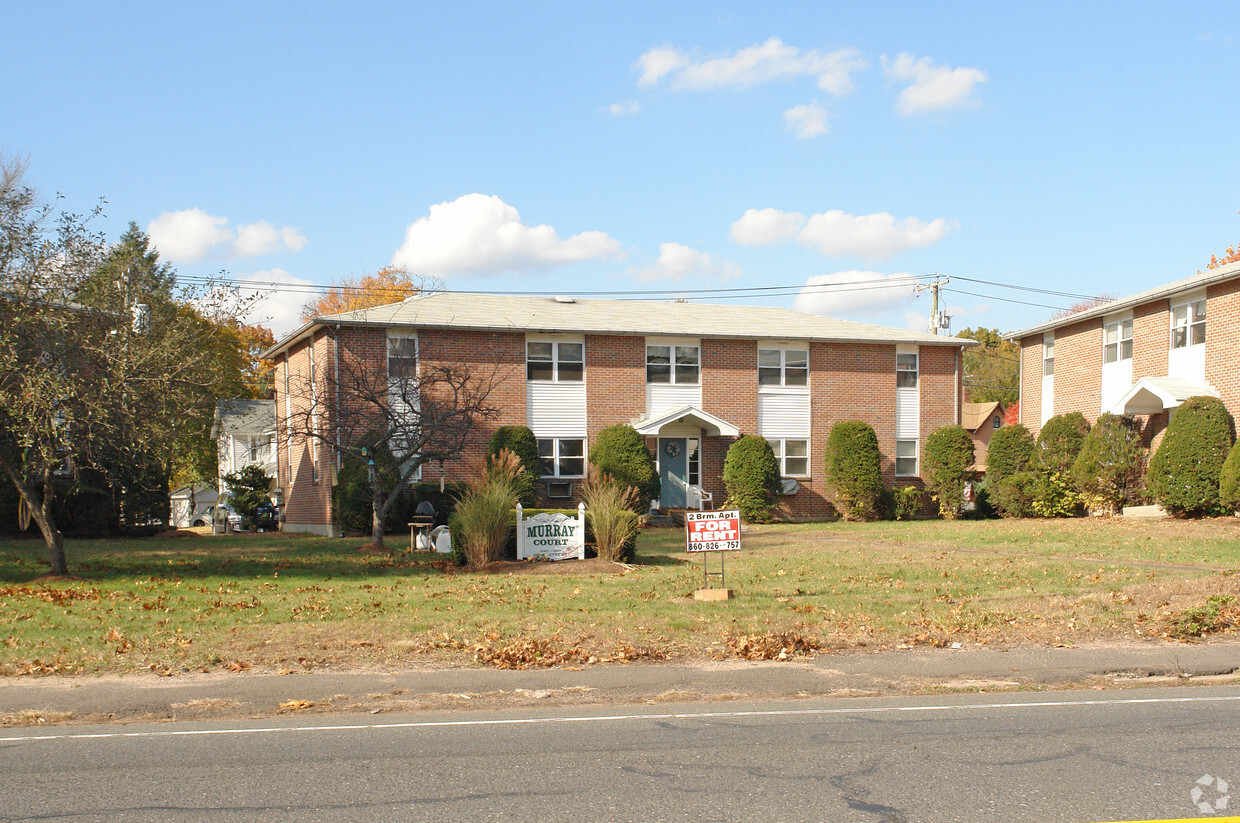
point(1223, 342)
point(848, 381)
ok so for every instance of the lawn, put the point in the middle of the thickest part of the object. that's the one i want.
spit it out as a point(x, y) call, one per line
point(173, 604)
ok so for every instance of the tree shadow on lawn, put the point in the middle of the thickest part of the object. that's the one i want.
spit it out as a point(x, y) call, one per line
point(236, 556)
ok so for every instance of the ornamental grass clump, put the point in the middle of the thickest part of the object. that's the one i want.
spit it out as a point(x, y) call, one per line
point(483, 517)
point(609, 510)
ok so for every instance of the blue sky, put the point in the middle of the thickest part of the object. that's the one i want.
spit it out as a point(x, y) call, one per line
point(1082, 148)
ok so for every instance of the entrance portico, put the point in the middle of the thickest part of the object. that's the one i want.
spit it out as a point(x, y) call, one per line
point(680, 432)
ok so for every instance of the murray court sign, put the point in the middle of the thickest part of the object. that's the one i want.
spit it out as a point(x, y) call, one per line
point(551, 536)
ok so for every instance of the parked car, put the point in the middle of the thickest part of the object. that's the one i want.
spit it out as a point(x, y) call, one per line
point(207, 517)
point(267, 518)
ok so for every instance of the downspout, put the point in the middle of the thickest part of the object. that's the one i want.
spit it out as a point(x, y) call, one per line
point(336, 392)
point(1020, 381)
point(959, 388)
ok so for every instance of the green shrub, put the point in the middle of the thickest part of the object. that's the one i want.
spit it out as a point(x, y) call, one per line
point(1185, 471)
point(1229, 480)
point(1108, 472)
point(609, 511)
point(1060, 442)
point(904, 502)
point(1054, 495)
point(351, 496)
point(483, 518)
point(248, 490)
point(854, 469)
point(948, 454)
point(1013, 496)
point(520, 441)
point(621, 452)
point(1011, 451)
point(751, 476)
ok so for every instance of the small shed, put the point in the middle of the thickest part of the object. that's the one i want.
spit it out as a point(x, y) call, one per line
point(981, 420)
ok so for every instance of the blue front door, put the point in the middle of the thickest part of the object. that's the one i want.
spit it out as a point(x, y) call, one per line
point(673, 472)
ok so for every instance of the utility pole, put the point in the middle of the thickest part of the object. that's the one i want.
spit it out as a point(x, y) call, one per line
point(938, 320)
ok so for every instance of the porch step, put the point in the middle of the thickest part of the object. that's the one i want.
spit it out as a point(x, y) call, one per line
point(660, 519)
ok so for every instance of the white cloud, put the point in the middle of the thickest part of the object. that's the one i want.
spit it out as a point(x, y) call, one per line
point(852, 293)
point(278, 310)
point(677, 262)
point(191, 235)
point(933, 87)
point(761, 227)
point(624, 107)
point(751, 66)
point(838, 234)
point(481, 234)
point(808, 120)
point(187, 236)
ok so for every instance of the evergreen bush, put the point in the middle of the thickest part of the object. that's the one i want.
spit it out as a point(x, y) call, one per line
point(520, 440)
point(948, 454)
point(1229, 480)
point(1059, 442)
point(248, 489)
point(1011, 451)
point(1109, 470)
point(854, 469)
point(1185, 472)
point(1013, 496)
point(751, 476)
point(619, 451)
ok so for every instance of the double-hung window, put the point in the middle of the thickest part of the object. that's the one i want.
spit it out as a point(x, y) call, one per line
point(906, 458)
point(783, 367)
point(1188, 324)
point(906, 371)
point(792, 456)
point(554, 361)
point(1117, 341)
point(402, 358)
point(562, 457)
point(1048, 357)
point(680, 365)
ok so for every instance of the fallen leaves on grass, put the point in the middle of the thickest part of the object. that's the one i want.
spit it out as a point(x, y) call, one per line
point(296, 705)
point(770, 646)
point(1220, 613)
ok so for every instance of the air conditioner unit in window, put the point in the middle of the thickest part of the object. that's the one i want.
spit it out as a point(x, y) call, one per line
point(559, 488)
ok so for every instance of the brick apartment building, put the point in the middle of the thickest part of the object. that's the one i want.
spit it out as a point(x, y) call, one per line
point(690, 377)
point(1142, 355)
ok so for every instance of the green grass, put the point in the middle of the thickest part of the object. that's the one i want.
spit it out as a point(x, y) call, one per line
point(290, 603)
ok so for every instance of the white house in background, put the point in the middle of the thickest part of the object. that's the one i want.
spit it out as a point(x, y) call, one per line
point(244, 432)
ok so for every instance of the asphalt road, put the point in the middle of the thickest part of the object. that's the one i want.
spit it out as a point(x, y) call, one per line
point(1077, 756)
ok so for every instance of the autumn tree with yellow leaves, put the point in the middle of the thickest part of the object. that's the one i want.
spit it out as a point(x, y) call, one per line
point(390, 284)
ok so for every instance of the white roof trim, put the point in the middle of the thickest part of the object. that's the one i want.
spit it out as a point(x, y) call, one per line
point(711, 425)
point(1151, 395)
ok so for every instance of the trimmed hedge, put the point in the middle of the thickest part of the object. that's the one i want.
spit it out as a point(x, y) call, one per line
point(948, 454)
point(1186, 470)
point(520, 440)
point(1059, 443)
point(751, 475)
point(1229, 480)
point(1014, 494)
point(854, 470)
point(621, 452)
point(1109, 470)
point(1011, 450)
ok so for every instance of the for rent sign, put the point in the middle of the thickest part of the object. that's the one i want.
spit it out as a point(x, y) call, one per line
point(713, 531)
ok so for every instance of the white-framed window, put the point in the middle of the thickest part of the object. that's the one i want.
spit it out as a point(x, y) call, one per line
point(792, 454)
point(1117, 341)
point(562, 456)
point(1188, 324)
point(681, 365)
point(906, 458)
point(402, 357)
point(783, 367)
point(694, 469)
point(314, 416)
point(906, 370)
point(555, 361)
point(1048, 356)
